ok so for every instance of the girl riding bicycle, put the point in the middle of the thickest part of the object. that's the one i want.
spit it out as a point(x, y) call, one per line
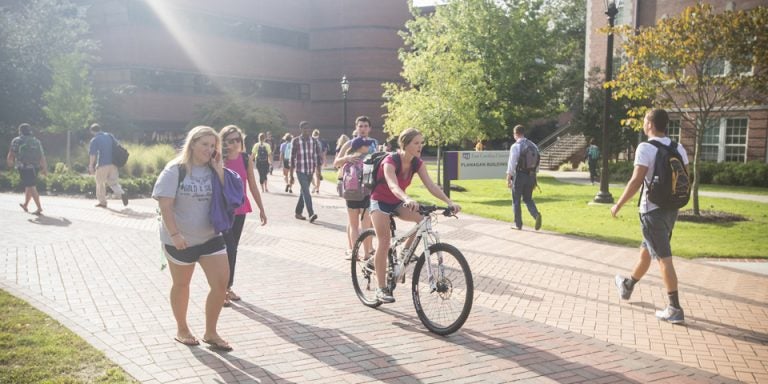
point(389, 198)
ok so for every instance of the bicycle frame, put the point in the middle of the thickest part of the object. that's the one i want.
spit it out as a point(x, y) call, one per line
point(422, 228)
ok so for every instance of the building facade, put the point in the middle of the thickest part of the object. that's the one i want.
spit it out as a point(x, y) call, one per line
point(740, 135)
point(171, 56)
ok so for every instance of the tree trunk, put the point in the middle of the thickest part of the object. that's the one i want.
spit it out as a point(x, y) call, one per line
point(696, 154)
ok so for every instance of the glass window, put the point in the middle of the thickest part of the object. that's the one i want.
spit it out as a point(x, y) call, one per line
point(673, 130)
point(736, 139)
point(710, 141)
point(714, 67)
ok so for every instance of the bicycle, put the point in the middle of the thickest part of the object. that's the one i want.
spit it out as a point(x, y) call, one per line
point(442, 286)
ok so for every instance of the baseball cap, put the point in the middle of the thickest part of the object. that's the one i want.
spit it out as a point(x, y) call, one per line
point(358, 142)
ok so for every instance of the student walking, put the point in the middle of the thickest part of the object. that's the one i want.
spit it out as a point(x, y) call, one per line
point(358, 200)
point(285, 160)
point(237, 160)
point(187, 234)
point(27, 156)
point(263, 152)
point(656, 222)
point(101, 166)
point(305, 157)
point(592, 156)
point(521, 176)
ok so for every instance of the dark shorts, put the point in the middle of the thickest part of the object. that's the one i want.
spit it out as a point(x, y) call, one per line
point(192, 254)
point(387, 208)
point(362, 204)
point(286, 164)
point(28, 176)
point(657, 226)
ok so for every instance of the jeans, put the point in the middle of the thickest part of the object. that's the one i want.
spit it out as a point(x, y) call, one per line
point(523, 187)
point(304, 197)
point(232, 239)
point(593, 170)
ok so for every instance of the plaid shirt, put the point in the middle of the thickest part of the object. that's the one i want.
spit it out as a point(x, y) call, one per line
point(305, 155)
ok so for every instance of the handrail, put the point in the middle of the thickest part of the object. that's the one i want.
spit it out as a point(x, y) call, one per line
point(547, 141)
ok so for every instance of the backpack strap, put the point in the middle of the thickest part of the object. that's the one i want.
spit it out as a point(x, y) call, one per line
point(182, 175)
point(245, 160)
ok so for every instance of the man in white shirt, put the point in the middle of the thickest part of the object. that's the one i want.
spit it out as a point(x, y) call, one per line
point(657, 223)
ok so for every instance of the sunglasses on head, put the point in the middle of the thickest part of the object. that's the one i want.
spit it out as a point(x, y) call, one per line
point(236, 140)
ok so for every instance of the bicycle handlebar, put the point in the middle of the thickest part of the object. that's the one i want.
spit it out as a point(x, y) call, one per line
point(428, 209)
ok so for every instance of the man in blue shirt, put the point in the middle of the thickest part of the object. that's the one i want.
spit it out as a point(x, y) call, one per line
point(100, 153)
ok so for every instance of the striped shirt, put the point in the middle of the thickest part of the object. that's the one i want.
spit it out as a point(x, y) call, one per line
point(305, 154)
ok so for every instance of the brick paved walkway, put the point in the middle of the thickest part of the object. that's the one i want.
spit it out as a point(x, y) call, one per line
point(545, 306)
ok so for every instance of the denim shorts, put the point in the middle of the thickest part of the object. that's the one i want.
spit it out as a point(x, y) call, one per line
point(390, 209)
point(191, 255)
point(657, 228)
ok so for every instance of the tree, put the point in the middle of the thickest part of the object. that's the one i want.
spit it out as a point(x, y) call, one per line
point(32, 34)
point(252, 118)
point(697, 64)
point(69, 102)
point(473, 69)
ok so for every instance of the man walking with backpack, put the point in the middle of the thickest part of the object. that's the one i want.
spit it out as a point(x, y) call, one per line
point(592, 156)
point(26, 153)
point(102, 166)
point(660, 169)
point(521, 176)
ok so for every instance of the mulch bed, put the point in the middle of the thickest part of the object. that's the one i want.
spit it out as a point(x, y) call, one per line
point(710, 217)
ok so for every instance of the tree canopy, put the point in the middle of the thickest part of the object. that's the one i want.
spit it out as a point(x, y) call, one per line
point(69, 102)
point(701, 64)
point(251, 117)
point(476, 67)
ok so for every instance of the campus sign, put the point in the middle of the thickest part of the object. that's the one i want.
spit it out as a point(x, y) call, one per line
point(473, 165)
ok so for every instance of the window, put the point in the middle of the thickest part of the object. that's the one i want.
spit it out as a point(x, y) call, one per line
point(725, 140)
point(720, 67)
point(673, 130)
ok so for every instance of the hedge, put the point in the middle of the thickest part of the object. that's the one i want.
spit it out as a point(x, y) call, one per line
point(70, 183)
point(750, 174)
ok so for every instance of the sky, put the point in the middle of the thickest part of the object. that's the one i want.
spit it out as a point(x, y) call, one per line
point(421, 3)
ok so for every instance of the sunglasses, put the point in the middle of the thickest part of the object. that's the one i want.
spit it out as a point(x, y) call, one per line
point(234, 141)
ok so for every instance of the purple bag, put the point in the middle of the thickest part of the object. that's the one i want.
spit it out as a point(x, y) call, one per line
point(226, 199)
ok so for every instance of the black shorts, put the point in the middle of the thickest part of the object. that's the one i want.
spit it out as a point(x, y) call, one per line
point(362, 204)
point(286, 164)
point(28, 176)
point(192, 254)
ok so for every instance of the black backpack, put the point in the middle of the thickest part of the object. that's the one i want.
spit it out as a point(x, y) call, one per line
point(262, 156)
point(372, 163)
point(119, 153)
point(670, 187)
point(529, 157)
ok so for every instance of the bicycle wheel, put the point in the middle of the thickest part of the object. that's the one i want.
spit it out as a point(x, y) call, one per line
point(363, 278)
point(445, 309)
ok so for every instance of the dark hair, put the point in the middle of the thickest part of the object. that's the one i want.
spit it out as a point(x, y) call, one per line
point(659, 118)
point(363, 119)
point(592, 141)
point(95, 127)
point(519, 130)
point(303, 124)
point(25, 129)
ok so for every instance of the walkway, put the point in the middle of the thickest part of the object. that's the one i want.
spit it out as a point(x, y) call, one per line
point(545, 311)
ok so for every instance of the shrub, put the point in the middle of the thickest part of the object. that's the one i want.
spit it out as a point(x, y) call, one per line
point(60, 168)
point(583, 167)
point(752, 174)
point(148, 160)
point(620, 172)
point(565, 167)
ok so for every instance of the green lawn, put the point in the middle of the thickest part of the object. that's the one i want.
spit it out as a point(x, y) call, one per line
point(35, 348)
point(565, 209)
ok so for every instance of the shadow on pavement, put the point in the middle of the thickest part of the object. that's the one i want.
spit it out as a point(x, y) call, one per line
point(352, 354)
point(242, 371)
point(130, 213)
point(48, 220)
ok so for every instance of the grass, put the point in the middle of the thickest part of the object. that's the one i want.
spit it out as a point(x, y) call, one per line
point(35, 348)
point(565, 209)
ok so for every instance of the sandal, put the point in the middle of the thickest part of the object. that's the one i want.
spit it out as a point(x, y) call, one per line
point(227, 303)
point(24, 207)
point(231, 295)
point(189, 341)
point(218, 345)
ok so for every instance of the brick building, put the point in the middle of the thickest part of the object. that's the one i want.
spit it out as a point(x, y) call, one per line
point(290, 54)
point(741, 136)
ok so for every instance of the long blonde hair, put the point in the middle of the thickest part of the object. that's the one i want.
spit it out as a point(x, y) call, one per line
point(185, 156)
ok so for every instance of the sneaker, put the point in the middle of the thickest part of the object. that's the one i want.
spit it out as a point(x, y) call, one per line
point(286, 189)
point(671, 314)
point(100, 205)
point(125, 199)
point(384, 295)
point(313, 218)
point(348, 254)
point(538, 222)
point(621, 286)
point(300, 217)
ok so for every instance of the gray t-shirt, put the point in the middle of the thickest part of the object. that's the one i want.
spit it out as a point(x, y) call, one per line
point(192, 204)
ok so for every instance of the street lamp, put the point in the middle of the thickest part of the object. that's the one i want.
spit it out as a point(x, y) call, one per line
point(344, 90)
point(604, 196)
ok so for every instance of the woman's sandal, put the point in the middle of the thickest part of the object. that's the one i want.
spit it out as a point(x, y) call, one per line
point(218, 345)
point(232, 296)
point(23, 207)
point(189, 341)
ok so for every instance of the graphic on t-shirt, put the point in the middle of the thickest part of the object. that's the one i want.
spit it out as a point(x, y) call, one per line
point(196, 187)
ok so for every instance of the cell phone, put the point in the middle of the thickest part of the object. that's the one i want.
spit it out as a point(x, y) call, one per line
point(213, 154)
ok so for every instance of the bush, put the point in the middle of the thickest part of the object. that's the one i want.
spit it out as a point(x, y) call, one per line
point(565, 167)
point(620, 172)
point(148, 160)
point(750, 174)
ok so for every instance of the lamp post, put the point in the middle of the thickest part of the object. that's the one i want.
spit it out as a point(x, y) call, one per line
point(604, 196)
point(344, 90)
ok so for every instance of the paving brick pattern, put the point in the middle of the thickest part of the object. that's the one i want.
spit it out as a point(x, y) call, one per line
point(545, 306)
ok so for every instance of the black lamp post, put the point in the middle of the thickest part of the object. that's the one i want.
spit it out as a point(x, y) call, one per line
point(344, 90)
point(604, 196)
